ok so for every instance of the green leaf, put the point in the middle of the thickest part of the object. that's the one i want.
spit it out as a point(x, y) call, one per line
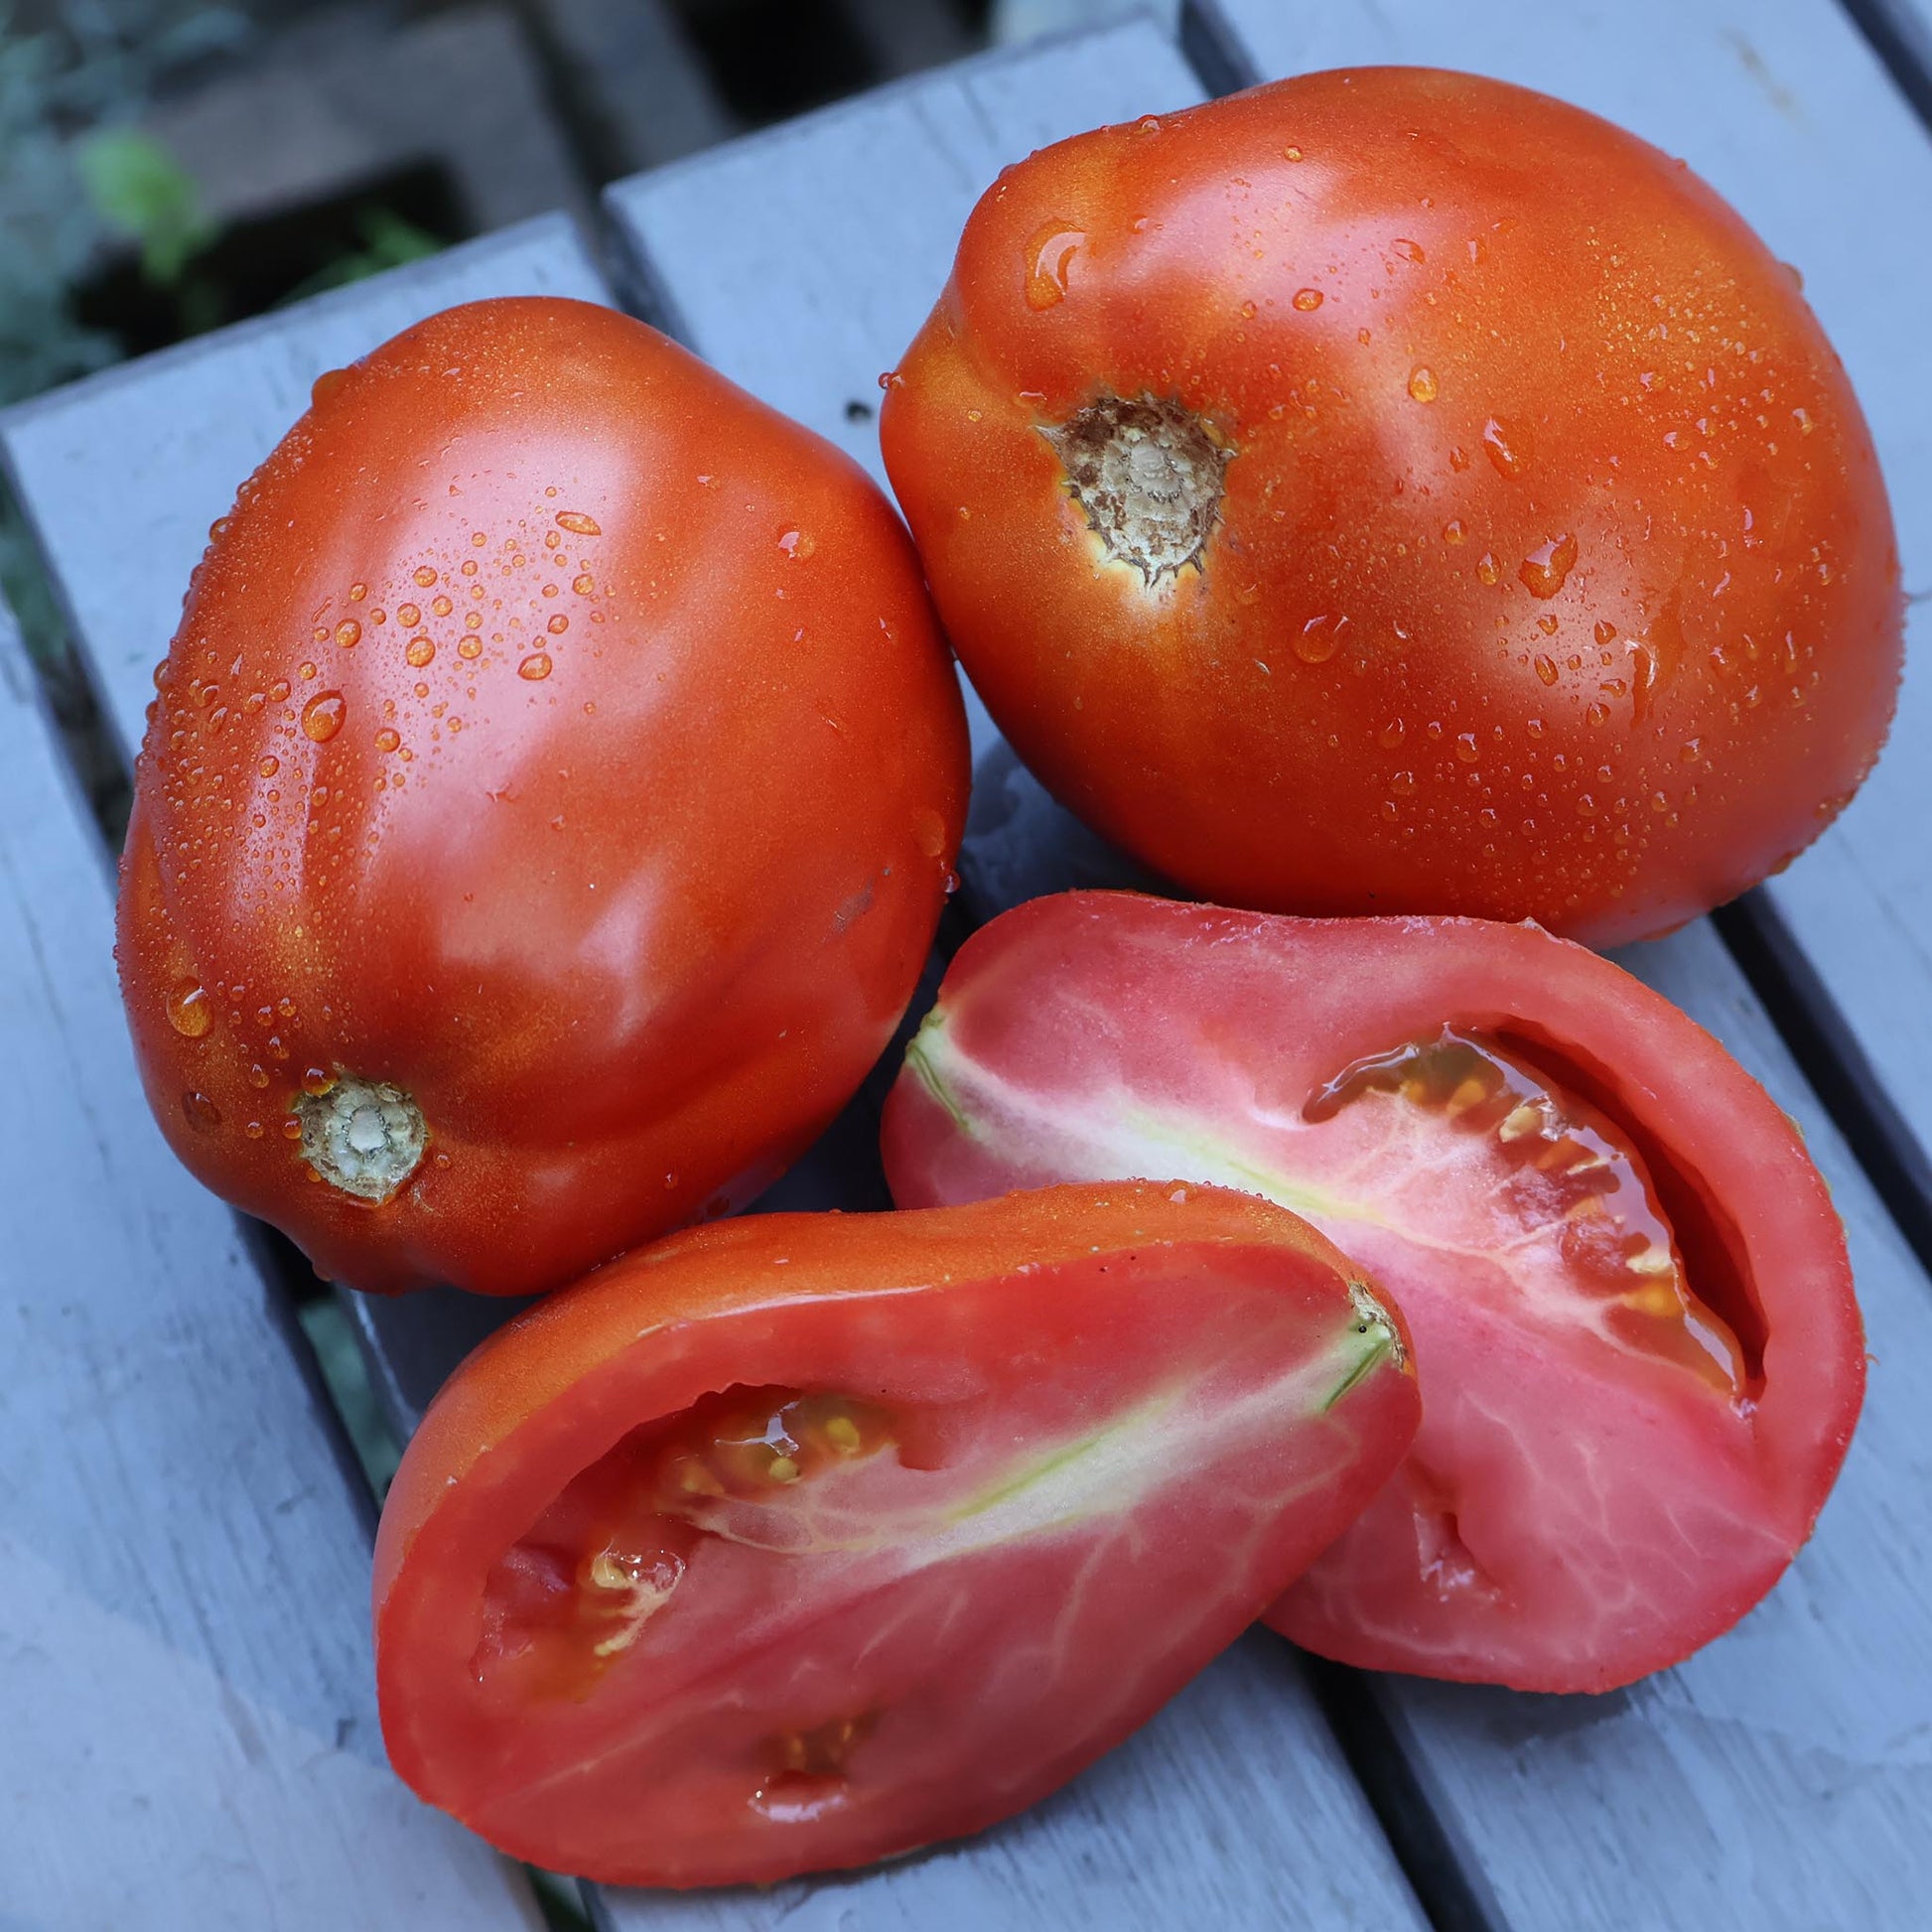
point(140, 191)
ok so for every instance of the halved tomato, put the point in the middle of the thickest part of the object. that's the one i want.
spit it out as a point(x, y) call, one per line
point(1641, 1354)
point(803, 1540)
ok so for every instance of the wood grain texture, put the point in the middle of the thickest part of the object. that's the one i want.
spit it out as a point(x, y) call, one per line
point(1789, 113)
point(189, 1739)
point(122, 474)
point(800, 263)
point(1778, 1777)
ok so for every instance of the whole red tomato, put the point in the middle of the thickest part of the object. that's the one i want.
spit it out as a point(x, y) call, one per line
point(1640, 1356)
point(545, 811)
point(1393, 490)
point(809, 1539)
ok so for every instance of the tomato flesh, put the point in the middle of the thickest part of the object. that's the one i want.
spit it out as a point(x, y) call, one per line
point(806, 1540)
point(1639, 1352)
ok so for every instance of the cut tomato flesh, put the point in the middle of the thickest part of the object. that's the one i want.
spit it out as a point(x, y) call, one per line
point(1603, 1477)
point(839, 1545)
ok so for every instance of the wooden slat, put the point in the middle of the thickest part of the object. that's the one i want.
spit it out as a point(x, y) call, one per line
point(1788, 112)
point(1779, 1777)
point(189, 1739)
point(800, 263)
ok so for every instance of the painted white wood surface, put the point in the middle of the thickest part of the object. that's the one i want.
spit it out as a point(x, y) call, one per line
point(188, 1731)
point(1783, 107)
point(800, 263)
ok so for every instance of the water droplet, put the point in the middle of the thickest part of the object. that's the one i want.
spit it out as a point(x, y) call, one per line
point(408, 613)
point(1320, 639)
point(321, 716)
point(535, 668)
point(558, 625)
point(1421, 383)
point(1465, 747)
point(1308, 299)
point(584, 585)
point(1585, 805)
point(1546, 668)
point(349, 633)
point(1409, 250)
point(420, 652)
point(387, 740)
point(1291, 154)
point(325, 385)
point(577, 524)
point(442, 607)
point(1488, 569)
point(1605, 632)
point(1690, 750)
point(1391, 735)
point(1403, 783)
point(1452, 530)
point(1545, 568)
point(1508, 446)
point(269, 767)
point(469, 647)
point(188, 1009)
point(929, 831)
point(1598, 714)
point(318, 1080)
point(1049, 260)
point(200, 1113)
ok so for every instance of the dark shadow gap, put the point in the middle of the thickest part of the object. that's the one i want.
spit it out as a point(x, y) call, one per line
point(1833, 1061)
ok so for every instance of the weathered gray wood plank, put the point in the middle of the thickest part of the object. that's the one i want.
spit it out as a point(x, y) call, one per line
point(1790, 114)
point(800, 263)
point(122, 474)
point(1778, 1777)
point(189, 1739)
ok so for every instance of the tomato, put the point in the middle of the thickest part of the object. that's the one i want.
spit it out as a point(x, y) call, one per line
point(545, 811)
point(803, 1540)
point(1397, 491)
point(1640, 1355)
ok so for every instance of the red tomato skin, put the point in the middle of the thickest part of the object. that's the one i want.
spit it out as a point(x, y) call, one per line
point(629, 931)
point(1600, 632)
point(1099, 1007)
point(806, 1299)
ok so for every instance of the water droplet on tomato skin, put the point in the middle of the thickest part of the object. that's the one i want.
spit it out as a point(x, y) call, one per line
point(1546, 668)
point(1421, 383)
point(1508, 446)
point(199, 1112)
point(535, 668)
point(190, 1011)
point(1544, 570)
point(579, 524)
point(1308, 299)
point(419, 652)
point(321, 716)
point(1049, 262)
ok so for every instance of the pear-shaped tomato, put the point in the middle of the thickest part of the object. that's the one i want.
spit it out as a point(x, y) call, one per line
point(1639, 1351)
point(546, 807)
point(804, 1539)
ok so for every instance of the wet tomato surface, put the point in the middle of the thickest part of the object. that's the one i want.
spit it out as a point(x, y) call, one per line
point(545, 809)
point(802, 1540)
point(1397, 491)
point(1640, 1354)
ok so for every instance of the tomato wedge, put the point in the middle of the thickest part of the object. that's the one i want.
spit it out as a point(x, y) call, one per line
point(1641, 1354)
point(802, 1540)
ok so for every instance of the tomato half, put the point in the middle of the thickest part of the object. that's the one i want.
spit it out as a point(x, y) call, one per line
point(1640, 1355)
point(1397, 491)
point(803, 1540)
point(546, 808)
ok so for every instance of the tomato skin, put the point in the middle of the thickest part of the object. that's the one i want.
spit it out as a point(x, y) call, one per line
point(979, 1682)
point(1537, 1534)
point(620, 832)
point(1554, 576)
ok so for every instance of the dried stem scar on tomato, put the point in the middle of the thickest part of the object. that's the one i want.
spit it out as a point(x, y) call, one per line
point(803, 1540)
point(1397, 491)
point(1640, 1356)
point(545, 809)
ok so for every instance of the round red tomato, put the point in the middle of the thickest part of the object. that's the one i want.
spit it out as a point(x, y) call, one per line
point(1640, 1356)
point(804, 1539)
point(1397, 491)
point(546, 808)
